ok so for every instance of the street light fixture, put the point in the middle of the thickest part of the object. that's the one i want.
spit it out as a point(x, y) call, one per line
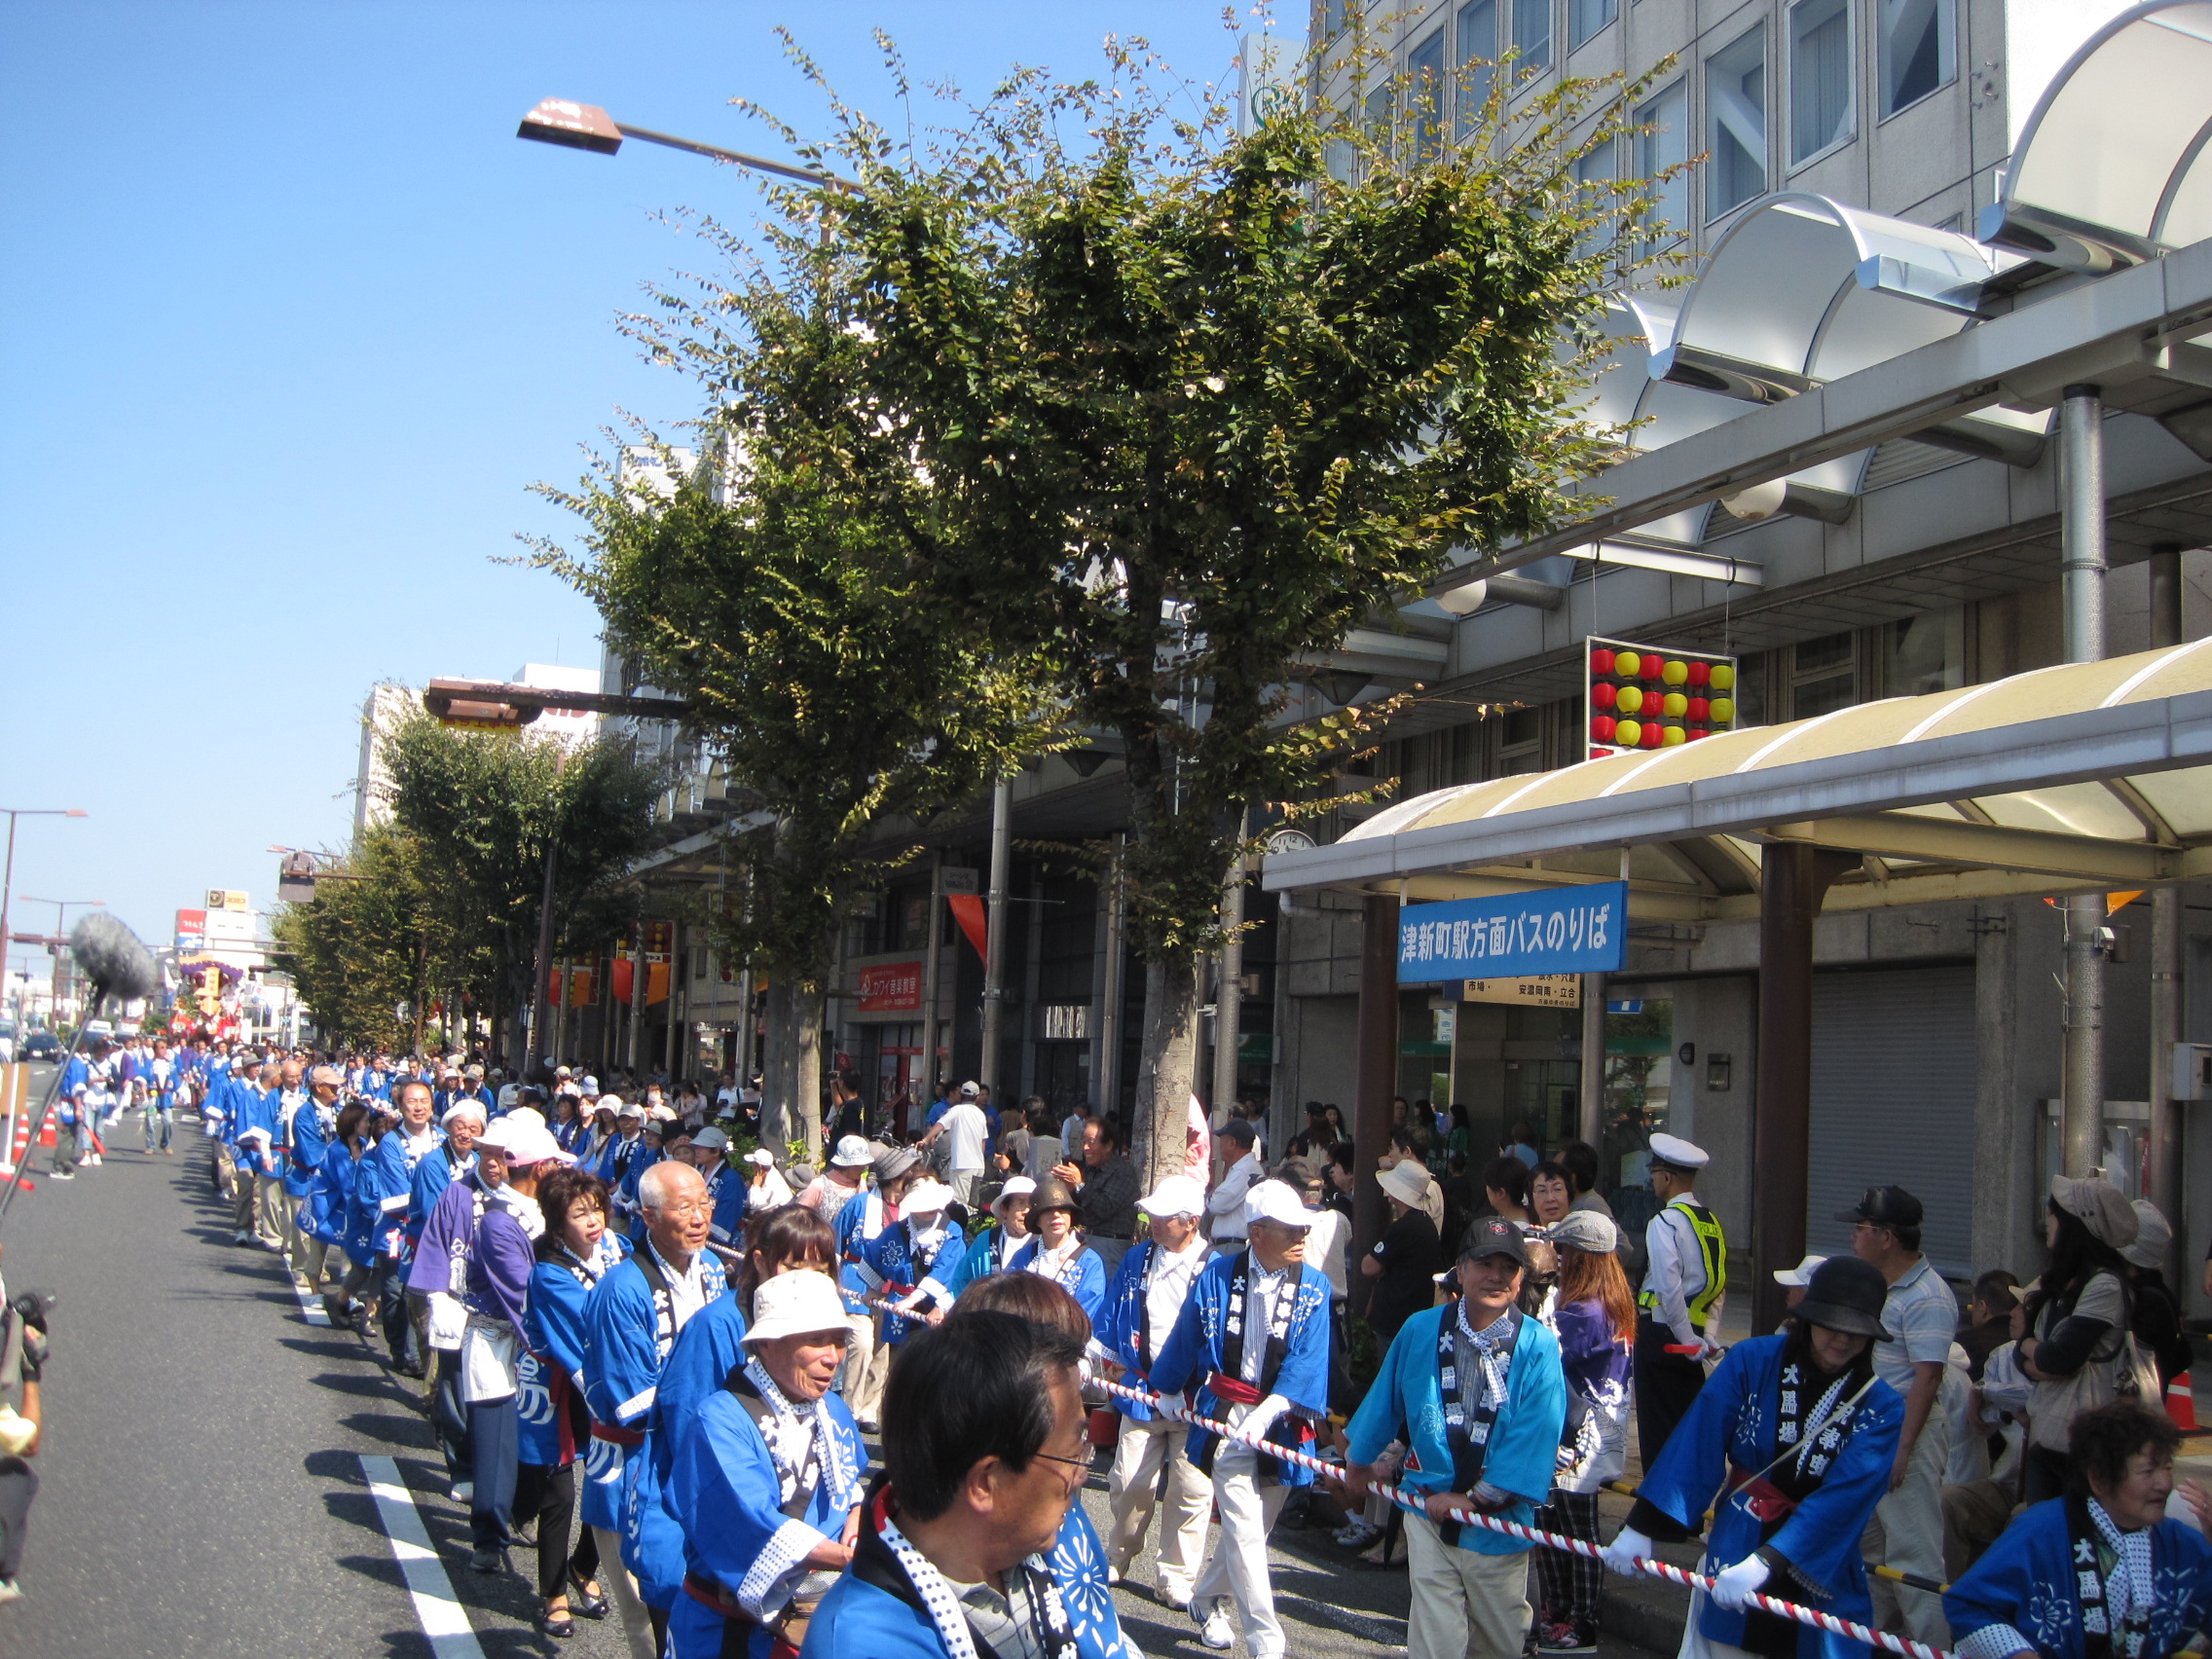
point(588, 126)
point(8, 882)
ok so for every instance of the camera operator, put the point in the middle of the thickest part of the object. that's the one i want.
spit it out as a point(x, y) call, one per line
point(22, 1356)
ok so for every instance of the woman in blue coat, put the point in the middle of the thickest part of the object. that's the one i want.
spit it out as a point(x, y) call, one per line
point(2100, 1574)
point(1791, 1444)
point(1056, 1251)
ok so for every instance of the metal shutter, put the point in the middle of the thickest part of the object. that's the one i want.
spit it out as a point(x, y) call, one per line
point(1892, 1103)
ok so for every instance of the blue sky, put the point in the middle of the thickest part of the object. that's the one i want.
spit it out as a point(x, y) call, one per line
point(289, 322)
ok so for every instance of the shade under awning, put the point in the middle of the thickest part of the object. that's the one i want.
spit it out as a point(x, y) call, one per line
point(2079, 777)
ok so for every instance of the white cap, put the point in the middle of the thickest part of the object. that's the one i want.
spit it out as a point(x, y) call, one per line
point(562, 1071)
point(462, 1109)
point(1017, 1186)
point(525, 1143)
point(713, 1139)
point(660, 1115)
point(925, 1196)
point(606, 1102)
point(1673, 1149)
point(969, 1090)
point(1275, 1201)
point(628, 1109)
point(852, 1154)
point(795, 1304)
point(1801, 1273)
point(1178, 1195)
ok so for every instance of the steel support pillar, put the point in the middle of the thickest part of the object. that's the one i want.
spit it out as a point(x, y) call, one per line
point(1792, 879)
point(1376, 1061)
point(2168, 930)
point(2081, 494)
point(994, 944)
point(925, 1063)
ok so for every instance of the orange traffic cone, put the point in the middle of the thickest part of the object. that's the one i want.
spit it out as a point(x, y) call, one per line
point(2181, 1404)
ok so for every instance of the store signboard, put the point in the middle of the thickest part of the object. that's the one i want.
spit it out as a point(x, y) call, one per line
point(1549, 930)
point(892, 988)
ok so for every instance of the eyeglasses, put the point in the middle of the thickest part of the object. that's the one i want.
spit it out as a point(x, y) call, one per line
point(694, 1208)
point(1081, 1465)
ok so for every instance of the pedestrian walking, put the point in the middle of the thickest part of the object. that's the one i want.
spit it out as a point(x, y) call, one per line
point(964, 1131)
point(1594, 1316)
point(865, 1215)
point(1252, 1346)
point(1239, 1170)
point(1686, 1277)
point(1474, 1391)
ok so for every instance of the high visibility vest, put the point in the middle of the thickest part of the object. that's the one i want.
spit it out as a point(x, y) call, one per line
point(1713, 1249)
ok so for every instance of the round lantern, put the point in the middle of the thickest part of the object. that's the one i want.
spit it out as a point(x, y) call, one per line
point(1697, 709)
point(1723, 677)
point(1652, 665)
point(1626, 664)
point(1602, 693)
point(1652, 734)
point(1601, 662)
point(1696, 732)
point(1674, 735)
point(1601, 727)
point(1628, 733)
point(1700, 673)
point(1724, 711)
point(1675, 672)
point(1630, 700)
point(1674, 704)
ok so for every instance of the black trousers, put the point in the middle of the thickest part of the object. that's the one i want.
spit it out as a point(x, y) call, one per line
point(549, 1495)
point(449, 1418)
point(1666, 1386)
point(18, 1484)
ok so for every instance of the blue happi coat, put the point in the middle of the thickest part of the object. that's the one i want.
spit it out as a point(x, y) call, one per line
point(1405, 1402)
point(387, 1187)
point(706, 1352)
point(1733, 1422)
point(2028, 1580)
point(891, 1264)
point(629, 1343)
point(559, 1292)
point(1193, 1351)
point(1081, 1275)
point(329, 1214)
point(988, 1254)
point(303, 1133)
point(727, 1499)
point(731, 1197)
point(859, 1620)
point(855, 1226)
point(1121, 1326)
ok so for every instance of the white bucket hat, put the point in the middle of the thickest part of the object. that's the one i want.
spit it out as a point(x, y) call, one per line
point(525, 1143)
point(1177, 1196)
point(924, 1197)
point(795, 1304)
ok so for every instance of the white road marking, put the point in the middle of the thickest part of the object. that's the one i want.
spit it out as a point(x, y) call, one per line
point(444, 1620)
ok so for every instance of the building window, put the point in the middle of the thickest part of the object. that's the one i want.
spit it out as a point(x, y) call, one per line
point(1585, 17)
point(1925, 653)
point(1477, 57)
point(1919, 51)
point(1424, 71)
point(1820, 77)
point(1824, 675)
point(1735, 103)
point(1665, 142)
point(1334, 15)
point(1532, 35)
point(1521, 745)
point(1593, 172)
point(1378, 113)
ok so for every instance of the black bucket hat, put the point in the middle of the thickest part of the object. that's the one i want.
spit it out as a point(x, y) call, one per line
point(1846, 1295)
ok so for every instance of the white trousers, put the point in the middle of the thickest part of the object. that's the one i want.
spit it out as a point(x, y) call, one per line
point(1239, 1566)
point(1466, 1605)
point(1906, 1533)
point(867, 1363)
point(1144, 1447)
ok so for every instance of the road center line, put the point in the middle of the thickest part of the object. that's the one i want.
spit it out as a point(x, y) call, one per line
point(444, 1620)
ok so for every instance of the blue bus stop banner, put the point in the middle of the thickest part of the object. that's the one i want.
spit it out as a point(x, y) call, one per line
point(1555, 929)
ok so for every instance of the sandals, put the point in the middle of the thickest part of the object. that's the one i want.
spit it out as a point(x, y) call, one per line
point(581, 1600)
point(558, 1625)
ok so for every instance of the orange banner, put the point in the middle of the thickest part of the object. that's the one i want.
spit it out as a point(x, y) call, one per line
point(656, 982)
point(967, 911)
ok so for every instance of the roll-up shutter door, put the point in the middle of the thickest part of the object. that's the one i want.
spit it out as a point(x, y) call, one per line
point(1892, 1103)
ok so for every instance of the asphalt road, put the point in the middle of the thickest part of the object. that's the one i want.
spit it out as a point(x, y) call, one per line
point(203, 1484)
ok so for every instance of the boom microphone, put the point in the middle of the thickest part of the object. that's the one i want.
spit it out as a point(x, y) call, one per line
point(111, 956)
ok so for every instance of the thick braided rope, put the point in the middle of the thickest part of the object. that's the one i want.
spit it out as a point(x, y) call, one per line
point(1415, 1503)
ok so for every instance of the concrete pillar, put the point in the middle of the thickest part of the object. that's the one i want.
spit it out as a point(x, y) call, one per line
point(994, 953)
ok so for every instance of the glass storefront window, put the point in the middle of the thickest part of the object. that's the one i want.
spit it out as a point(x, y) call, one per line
point(1640, 1075)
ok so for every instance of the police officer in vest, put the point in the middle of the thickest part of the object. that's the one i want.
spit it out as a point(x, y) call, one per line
point(1680, 1307)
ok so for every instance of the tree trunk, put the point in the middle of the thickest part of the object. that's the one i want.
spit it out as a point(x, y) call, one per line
point(1165, 1066)
point(806, 1065)
point(778, 1122)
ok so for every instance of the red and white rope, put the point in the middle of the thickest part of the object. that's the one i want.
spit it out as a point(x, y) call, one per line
point(1418, 1504)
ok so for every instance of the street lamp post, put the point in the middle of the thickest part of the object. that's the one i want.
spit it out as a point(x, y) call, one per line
point(61, 936)
point(587, 127)
point(8, 882)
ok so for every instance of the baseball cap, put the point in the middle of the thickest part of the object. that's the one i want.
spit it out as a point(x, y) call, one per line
point(713, 1139)
point(761, 1156)
point(1276, 1201)
point(969, 1090)
point(925, 1196)
point(628, 1109)
point(1885, 1207)
point(1800, 1275)
point(1177, 1196)
point(1493, 1235)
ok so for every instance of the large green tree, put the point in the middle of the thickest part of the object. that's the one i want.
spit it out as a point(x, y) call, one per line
point(1193, 405)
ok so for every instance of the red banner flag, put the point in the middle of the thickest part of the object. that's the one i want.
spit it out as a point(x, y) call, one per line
point(967, 911)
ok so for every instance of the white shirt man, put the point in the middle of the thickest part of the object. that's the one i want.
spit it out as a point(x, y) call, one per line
point(1224, 1205)
point(964, 1132)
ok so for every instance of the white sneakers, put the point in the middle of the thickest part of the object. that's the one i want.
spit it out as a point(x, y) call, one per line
point(1215, 1630)
point(1175, 1599)
point(1112, 1575)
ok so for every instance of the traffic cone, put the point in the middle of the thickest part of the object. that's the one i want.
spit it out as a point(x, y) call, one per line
point(2181, 1404)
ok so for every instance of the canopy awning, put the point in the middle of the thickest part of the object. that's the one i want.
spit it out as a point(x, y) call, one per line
point(2081, 777)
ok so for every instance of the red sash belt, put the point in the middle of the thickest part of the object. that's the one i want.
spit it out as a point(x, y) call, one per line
point(1234, 1389)
point(616, 1435)
point(1767, 1502)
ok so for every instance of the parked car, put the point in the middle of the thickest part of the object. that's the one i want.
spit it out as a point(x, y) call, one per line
point(43, 1046)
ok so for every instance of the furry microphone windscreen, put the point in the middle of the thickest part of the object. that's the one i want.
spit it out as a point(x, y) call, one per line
point(109, 954)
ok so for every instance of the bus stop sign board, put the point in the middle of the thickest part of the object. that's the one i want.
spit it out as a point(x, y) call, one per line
point(1556, 930)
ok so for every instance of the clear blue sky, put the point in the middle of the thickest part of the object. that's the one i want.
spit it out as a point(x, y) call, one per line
point(290, 320)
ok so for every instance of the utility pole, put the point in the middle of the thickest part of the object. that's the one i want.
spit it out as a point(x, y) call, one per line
point(925, 1067)
point(2081, 494)
point(994, 944)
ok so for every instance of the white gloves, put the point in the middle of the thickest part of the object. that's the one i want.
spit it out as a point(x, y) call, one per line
point(1620, 1555)
point(448, 1320)
point(1175, 1405)
point(1734, 1587)
point(1253, 1428)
